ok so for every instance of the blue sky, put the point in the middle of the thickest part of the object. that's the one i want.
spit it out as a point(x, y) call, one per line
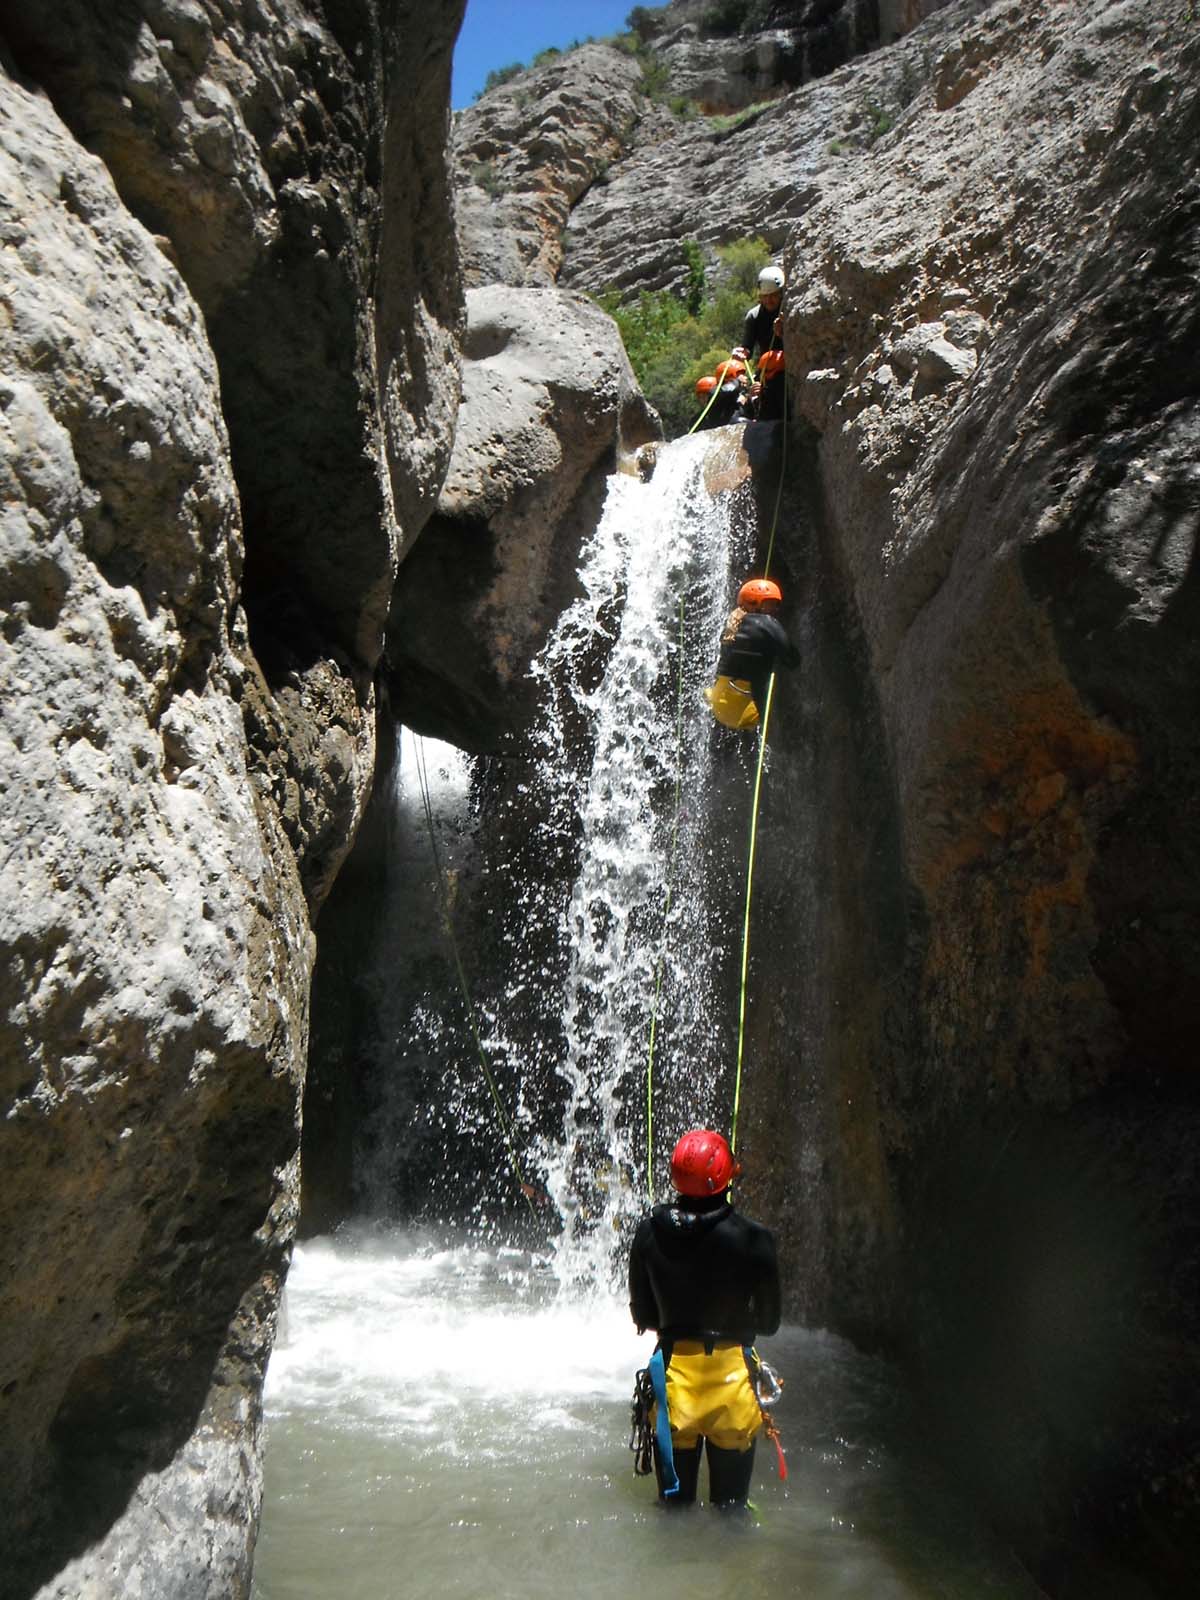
point(497, 32)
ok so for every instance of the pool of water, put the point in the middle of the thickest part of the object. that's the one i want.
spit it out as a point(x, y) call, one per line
point(441, 1421)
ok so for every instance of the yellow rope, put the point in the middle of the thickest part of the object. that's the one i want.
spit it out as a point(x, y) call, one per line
point(749, 368)
point(506, 1126)
point(779, 488)
point(762, 746)
point(666, 924)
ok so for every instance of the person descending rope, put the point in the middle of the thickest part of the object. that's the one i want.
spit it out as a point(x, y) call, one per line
point(705, 1279)
point(762, 336)
point(753, 646)
point(725, 393)
point(720, 401)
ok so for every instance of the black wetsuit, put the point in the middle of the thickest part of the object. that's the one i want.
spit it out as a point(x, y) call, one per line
point(724, 408)
point(758, 335)
point(759, 648)
point(700, 1270)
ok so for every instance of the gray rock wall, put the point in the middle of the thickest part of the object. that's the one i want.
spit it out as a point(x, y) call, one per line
point(572, 173)
point(549, 403)
point(224, 416)
point(992, 347)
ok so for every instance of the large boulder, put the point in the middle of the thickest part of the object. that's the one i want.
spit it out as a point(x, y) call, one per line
point(230, 357)
point(549, 402)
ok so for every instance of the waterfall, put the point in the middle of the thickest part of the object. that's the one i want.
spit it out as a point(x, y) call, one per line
point(580, 942)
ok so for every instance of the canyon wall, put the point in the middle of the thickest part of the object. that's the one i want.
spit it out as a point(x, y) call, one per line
point(980, 1014)
point(230, 343)
point(992, 343)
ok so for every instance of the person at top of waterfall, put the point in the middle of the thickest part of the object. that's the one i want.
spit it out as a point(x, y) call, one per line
point(721, 395)
point(705, 1279)
point(754, 645)
point(762, 341)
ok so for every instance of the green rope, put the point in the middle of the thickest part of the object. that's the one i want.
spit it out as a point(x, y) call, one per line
point(762, 746)
point(506, 1125)
point(779, 488)
point(749, 365)
point(662, 953)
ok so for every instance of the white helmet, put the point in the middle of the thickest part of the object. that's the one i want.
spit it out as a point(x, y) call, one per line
point(770, 280)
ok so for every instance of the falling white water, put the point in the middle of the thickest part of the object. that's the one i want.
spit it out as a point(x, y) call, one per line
point(668, 547)
point(449, 1416)
point(618, 785)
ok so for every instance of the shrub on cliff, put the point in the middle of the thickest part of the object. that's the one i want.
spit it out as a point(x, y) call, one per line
point(672, 340)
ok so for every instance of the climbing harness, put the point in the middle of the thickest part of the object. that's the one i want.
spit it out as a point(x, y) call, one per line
point(731, 701)
point(641, 1430)
point(650, 1418)
point(666, 922)
point(768, 1390)
point(662, 1423)
point(762, 747)
point(505, 1121)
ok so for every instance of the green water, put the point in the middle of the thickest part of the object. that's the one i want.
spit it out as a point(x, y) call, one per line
point(440, 1424)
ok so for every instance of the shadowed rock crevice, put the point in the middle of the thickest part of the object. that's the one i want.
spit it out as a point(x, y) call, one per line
point(197, 556)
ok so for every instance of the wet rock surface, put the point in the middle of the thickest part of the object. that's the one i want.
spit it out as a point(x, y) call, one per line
point(226, 415)
point(549, 403)
point(984, 351)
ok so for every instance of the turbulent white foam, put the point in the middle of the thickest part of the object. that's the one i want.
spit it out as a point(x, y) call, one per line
point(658, 544)
point(379, 1327)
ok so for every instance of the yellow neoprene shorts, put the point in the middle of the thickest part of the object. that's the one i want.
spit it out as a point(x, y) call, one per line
point(711, 1397)
point(732, 704)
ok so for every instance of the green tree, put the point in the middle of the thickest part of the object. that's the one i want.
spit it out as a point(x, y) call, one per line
point(673, 340)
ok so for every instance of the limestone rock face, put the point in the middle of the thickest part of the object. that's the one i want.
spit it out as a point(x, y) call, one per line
point(992, 347)
point(549, 400)
point(157, 947)
point(572, 173)
point(222, 424)
point(527, 152)
point(711, 180)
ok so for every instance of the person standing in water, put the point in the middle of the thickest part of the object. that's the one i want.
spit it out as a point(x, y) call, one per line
point(705, 1278)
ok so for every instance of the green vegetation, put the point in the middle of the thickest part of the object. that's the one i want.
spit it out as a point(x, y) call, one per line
point(672, 340)
point(499, 75)
point(736, 119)
point(646, 22)
point(878, 121)
point(487, 178)
point(725, 17)
point(868, 124)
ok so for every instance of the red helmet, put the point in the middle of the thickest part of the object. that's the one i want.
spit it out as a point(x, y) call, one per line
point(702, 1163)
point(771, 364)
point(756, 591)
point(733, 368)
point(705, 385)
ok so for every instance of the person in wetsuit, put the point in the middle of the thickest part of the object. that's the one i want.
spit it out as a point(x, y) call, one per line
point(762, 334)
point(753, 646)
point(705, 1278)
point(726, 407)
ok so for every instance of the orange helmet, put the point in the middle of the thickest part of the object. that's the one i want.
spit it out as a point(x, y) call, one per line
point(770, 364)
point(705, 385)
point(756, 591)
point(702, 1164)
point(733, 368)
